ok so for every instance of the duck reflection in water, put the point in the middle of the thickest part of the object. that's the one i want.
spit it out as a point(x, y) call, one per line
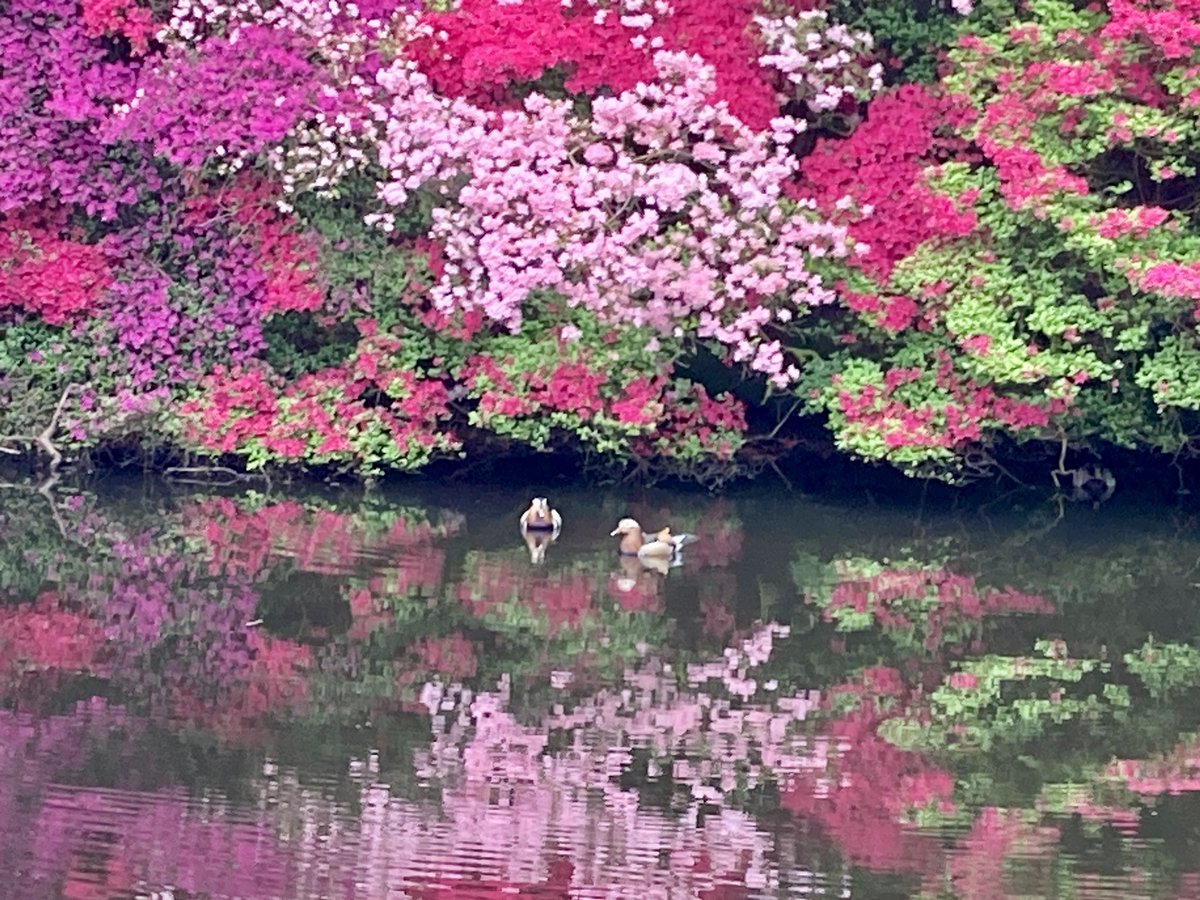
point(540, 527)
point(537, 542)
point(634, 570)
point(1092, 484)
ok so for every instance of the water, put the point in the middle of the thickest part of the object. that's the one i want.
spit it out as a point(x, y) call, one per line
point(316, 695)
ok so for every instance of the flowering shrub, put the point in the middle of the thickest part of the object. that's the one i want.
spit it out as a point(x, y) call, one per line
point(368, 235)
point(1035, 293)
point(541, 393)
point(621, 215)
point(248, 94)
point(364, 415)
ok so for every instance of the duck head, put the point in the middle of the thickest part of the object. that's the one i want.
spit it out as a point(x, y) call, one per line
point(626, 526)
point(631, 535)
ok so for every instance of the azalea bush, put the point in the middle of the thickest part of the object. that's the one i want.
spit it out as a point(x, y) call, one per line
point(366, 236)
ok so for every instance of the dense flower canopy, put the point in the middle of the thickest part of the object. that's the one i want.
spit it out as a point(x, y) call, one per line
point(370, 235)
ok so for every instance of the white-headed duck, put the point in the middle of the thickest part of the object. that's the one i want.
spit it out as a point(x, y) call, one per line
point(540, 517)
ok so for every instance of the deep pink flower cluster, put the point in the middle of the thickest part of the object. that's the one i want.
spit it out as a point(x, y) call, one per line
point(1171, 279)
point(717, 424)
point(652, 417)
point(41, 274)
point(470, 52)
point(126, 18)
point(1138, 221)
point(872, 181)
point(1173, 28)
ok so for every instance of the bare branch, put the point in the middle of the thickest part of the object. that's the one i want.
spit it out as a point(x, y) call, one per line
point(45, 438)
point(211, 475)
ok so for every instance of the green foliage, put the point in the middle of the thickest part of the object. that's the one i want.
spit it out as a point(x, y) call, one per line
point(298, 344)
point(1172, 373)
point(913, 33)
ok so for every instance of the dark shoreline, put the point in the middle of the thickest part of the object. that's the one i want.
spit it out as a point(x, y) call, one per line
point(1141, 479)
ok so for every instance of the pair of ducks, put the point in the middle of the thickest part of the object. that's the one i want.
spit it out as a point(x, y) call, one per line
point(540, 519)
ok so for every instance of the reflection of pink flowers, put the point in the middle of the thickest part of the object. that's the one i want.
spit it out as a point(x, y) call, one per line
point(564, 598)
point(43, 635)
point(935, 603)
point(860, 796)
point(634, 593)
point(716, 619)
point(962, 680)
point(271, 684)
point(1176, 772)
point(979, 862)
point(251, 541)
point(210, 855)
point(452, 657)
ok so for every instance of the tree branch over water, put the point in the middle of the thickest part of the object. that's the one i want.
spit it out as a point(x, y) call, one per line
point(44, 439)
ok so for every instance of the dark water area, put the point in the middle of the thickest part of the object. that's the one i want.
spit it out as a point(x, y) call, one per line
point(211, 694)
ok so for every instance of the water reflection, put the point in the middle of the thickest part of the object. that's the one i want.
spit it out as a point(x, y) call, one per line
point(243, 696)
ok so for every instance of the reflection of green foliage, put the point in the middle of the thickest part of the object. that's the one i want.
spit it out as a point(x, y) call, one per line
point(1166, 669)
point(1005, 699)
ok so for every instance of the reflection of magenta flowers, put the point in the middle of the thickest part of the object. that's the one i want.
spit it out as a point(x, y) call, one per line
point(181, 643)
point(563, 598)
point(980, 858)
point(862, 794)
point(97, 843)
point(636, 593)
point(1177, 772)
point(44, 635)
point(937, 606)
point(251, 541)
point(716, 618)
point(862, 789)
point(452, 657)
point(879, 594)
point(269, 684)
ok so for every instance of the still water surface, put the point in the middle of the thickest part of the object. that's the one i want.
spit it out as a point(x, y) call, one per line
point(320, 695)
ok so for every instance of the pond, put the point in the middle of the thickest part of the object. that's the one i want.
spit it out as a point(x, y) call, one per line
point(325, 694)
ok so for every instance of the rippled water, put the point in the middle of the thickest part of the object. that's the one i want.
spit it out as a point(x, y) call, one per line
point(320, 695)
